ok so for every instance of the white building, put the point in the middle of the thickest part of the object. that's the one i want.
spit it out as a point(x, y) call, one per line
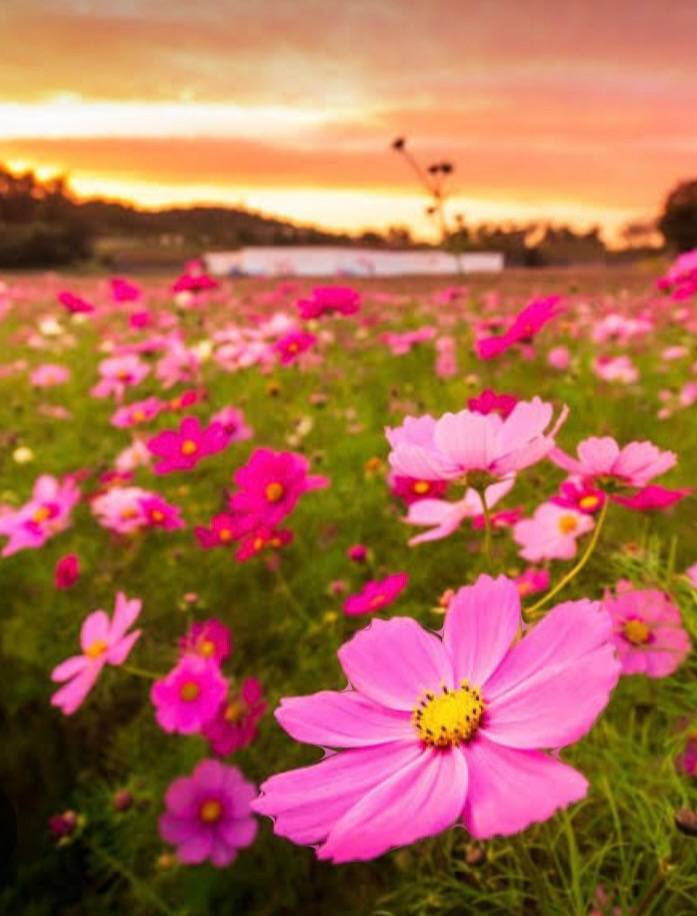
point(337, 261)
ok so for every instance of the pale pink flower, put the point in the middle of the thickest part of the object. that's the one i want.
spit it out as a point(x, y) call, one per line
point(444, 517)
point(46, 514)
point(634, 465)
point(48, 375)
point(551, 533)
point(118, 374)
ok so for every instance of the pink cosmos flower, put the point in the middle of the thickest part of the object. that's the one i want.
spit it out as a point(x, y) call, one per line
point(183, 448)
point(616, 369)
point(158, 513)
point(119, 373)
point(506, 518)
point(233, 422)
point(652, 498)
point(235, 725)
point(648, 630)
point(490, 402)
point(126, 510)
point(411, 489)
point(74, 304)
point(179, 364)
point(103, 642)
point(209, 639)
point(551, 533)
point(224, 529)
point(262, 538)
point(189, 696)
point(208, 814)
point(600, 458)
point(327, 300)
point(559, 358)
point(137, 413)
point(123, 290)
point(579, 494)
point(446, 357)
point(376, 595)
point(67, 571)
point(292, 345)
point(532, 581)
point(48, 375)
point(526, 324)
point(455, 444)
point(46, 514)
point(445, 517)
point(270, 485)
point(440, 730)
point(357, 553)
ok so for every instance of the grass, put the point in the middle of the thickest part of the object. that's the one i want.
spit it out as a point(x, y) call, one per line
point(287, 626)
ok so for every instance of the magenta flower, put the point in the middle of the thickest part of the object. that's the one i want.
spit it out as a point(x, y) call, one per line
point(532, 581)
point(648, 630)
point(209, 639)
point(74, 304)
point(67, 571)
point(158, 513)
point(235, 725)
point(327, 300)
point(440, 730)
point(457, 444)
point(581, 495)
point(376, 595)
point(603, 461)
point(189, 696)
point(224, 529)
point(119, 373)
point(652, 498)
point(551, 533)
point(47, 375)
point(233, 422)
point(208, 814)
point(526, 325)
point(490, 402)
point(411, 489)
point(292, 345)
point(688, 759)
point(260, 539)
point(271, 483)
point(182, 449)
point(123, 290)
point(103, 642)
point(46, 514)
point(137, 413)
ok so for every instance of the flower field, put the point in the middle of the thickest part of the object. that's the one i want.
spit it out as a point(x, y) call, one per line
point(373, 598)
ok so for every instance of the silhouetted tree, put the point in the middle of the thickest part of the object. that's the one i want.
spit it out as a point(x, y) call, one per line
point(678, 223)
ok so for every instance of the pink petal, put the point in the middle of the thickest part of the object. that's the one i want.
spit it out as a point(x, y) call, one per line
point(177, 830)
point(306, 803)
point(69, 668)
point(468, 439)
point(95, 627)
point(511, 789)
point(598, 454)
point(125, 614)
point(119, 652)
point(346, 719)
point(196, 849)
point(393, 662)
point(240, 832)
point(422, 799)
point(480, 625)
point(71, 695)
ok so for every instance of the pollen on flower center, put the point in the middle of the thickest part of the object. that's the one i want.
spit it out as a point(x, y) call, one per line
point(206, 648)
point(421, 486)
point(42, 514)
point(138, 416)
point(157, 515)
point(636, 632)
point(189, 691)
point(96, 648)
point(211, 811)
point(567, 523)
point(235, 711)
point(588, 502)
point(225, 535)
point(274, 491)
point(189, 447)
point(449, 718)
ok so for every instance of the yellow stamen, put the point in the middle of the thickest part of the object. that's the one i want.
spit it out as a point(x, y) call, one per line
point(96, 648)
point(449, 718)
point(189, 691)
point(636, 632)
point(421, 486)
point(225, 535)
point(206, 648)
point(567, 523)
point(588, 502)
point(235, 711)
point(189, 447)
point(41, 514)
point(274, 491)
point(211, 811)
point(157, 515)
point(138, 416)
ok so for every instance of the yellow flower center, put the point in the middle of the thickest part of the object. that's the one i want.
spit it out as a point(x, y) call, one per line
point(567, 523)
point(211, 811)
point(189, 447)
point(636, 632)
point(235, 711)
point(138, 416)
point(206, 648)
point(41, 514)
point(293, 347)
point(449, 718)
point(123, 375)
point(258, 543)
point(588, 502)
point(421, 486)
point(189, 691)
point(96, 648)
point(378, 600)
point(225, 535)
point(157, 515)
point(128, 513)
point(274, 491)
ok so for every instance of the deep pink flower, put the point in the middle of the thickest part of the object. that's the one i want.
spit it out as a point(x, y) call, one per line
point(158, 513)
point(233, 422)
point(209, 639)
point(376, 595)
point(183, 448)
point(103, 642)
point(440, 730)
point(67, 571)
point(490, 402)
point(123, 290)
point(74, 304)
point(411, 489)
point(579, 494)
point(271, 483)
point(208, 814)
point(358, 553)
point(46, 514)
point(688, 759)
point(138, 412)
point(532, 581)
point(235, 725)
point(189, 696)
point(551, 533)
point(224, 529)
point(506, 518)
point(292, 345)
point(455, 444)
point(648, 630)
point(260, 539)
point(602, 460)
point(653, 497)
point(526, 325)
point(329, 299)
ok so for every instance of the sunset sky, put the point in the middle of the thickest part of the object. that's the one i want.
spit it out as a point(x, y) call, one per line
point(577, 111)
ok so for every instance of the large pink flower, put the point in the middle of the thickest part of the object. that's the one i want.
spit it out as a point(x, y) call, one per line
point(46, 514)
point(648, 630)
point(551, 533)
point(441, 730)
point(600, 458)
point(182, 449)
point(103, 642)
point(456, 444)
point(376, 595)
point(189, 696)
point(208, 814)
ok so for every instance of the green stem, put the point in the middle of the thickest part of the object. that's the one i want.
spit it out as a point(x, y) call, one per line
point(486, 548)
point(141, 672)
point(564, 581)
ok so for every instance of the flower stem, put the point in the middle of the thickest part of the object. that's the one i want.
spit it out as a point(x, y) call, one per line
point(564, 581)
point(486, 547)
point(141, 672)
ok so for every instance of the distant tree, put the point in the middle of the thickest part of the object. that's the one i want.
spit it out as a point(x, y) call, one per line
point(678, 223)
